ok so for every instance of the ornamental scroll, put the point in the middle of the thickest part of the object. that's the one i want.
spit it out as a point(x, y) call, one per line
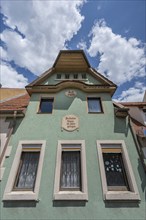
point(70, 123)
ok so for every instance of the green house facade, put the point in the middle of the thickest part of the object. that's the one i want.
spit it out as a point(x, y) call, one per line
point(73, 154)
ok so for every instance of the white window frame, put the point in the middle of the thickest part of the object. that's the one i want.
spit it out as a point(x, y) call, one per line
point(9, 193)
point(71, 195)
point(133, 194)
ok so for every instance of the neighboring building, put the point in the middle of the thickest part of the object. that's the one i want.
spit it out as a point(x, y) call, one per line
point(137, 112)
point(13, 103)
point(73, 154)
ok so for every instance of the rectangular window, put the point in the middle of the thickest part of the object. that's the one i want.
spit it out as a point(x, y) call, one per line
point(117, 177)
point(25, 175)
point(94, 105)
point(27, 171)
point(70, 174)
point(84, 76)
point(114, 170)
point(58, 76)
point(46, 105)
point(76, 76)
point(66, 76)
point(70, 178)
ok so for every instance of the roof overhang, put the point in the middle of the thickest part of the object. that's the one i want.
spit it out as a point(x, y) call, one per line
point(70, 84)
point(10, 113)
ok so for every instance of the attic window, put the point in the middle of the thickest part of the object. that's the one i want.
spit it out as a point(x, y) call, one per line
point(58, 76)
point(66, 76)
point(75, 76)
point(84, 76)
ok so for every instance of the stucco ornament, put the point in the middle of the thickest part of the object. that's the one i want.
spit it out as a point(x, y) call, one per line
point(70, 123)
point(71, 93)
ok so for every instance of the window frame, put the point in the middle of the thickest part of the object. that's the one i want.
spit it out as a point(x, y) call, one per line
point(67, 76)
point(71, 194)
point(58, 76)
point(100, 102)
point(47, 98)
point(75, 76)
point(10, 193)
point(133, 194)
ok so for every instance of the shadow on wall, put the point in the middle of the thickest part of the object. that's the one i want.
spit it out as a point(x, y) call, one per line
point(118, 204)
point(69, 203)
point(142, 176)
point(19, 204)
point(121, 125)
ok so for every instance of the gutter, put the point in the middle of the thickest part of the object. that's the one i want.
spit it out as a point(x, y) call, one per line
point(12, 125)
point(137, 144)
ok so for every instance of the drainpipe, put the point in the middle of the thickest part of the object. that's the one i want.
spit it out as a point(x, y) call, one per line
point(12, 124)
point(136, 143)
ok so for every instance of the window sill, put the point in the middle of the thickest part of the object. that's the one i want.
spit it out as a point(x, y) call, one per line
point(21, 195)
point(70, 195)
point(120, 195)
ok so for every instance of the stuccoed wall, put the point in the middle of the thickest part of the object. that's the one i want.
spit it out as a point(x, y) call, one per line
point(52, 80)
point(92, 127)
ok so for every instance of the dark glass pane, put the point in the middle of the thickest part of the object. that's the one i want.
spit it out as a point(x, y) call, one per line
point(66, 76)
point(84, 76)
point(114, 169)
point(46, 105)
point(58, 76)
point(94, 105)
point(70, 170)
point(75, 76)
point(27, 170)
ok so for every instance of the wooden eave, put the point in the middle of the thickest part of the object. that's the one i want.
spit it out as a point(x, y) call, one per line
point(70, 84)
point(71, 61)
point(10, 113)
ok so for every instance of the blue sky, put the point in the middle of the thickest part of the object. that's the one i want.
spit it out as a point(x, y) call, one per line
point(112, 33)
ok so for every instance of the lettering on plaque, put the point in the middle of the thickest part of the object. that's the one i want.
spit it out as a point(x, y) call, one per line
point(70, 93)
point(70, 122)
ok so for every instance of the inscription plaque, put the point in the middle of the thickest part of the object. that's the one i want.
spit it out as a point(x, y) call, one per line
point(70, 122)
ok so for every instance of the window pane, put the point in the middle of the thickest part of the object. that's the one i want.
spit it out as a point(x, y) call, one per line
point(115, 172)
point(75, 76)
point(27, 170)
point(46, 105)
point(84, 76)
point(58, 76)
point(70, 170)
point(66, 76)
point(94, 105)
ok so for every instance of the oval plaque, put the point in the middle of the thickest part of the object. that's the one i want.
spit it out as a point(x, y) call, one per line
point(70, 122)
point(70, 93)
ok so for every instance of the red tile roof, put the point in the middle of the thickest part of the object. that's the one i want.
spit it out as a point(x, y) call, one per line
point(17, 103)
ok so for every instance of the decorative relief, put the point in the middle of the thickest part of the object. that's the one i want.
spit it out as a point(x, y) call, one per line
point(71, 93)
point(70, 123)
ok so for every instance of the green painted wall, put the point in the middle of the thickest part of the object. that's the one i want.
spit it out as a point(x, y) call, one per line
point(92, 127)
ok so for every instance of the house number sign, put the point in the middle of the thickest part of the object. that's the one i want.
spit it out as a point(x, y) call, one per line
point(70, 122)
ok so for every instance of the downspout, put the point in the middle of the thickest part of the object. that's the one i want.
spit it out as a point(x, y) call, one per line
point(12, 124)
point(136, 142)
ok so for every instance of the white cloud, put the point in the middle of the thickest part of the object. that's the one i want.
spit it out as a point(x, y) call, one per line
point(10, 78)
point(82, 45)
point(120, 59)
point(46, 25)
point(133, 94)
